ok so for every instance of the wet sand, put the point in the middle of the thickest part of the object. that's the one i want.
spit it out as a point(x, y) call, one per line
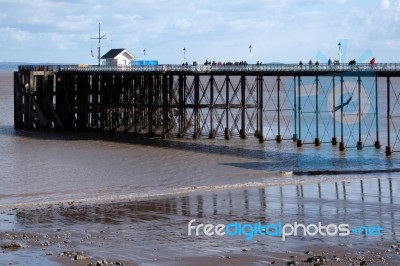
point(154, 232)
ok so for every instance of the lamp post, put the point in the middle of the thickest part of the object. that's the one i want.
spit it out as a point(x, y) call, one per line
point(339, 54)
point(184, 54)
point(144, 51)
point(250, 51)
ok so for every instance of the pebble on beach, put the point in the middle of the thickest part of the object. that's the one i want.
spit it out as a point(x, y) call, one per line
point(11, 245)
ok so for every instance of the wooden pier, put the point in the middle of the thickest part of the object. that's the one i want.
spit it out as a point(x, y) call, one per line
point(348, 106)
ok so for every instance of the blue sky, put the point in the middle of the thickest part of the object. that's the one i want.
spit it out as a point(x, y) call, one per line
point(279, 31)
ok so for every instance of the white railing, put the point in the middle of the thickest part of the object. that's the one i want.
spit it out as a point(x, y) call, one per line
point(218, 68)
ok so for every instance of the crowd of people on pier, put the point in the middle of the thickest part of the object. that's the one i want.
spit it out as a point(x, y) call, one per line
point(219, 63)
point(310, 63)
point(336, 62)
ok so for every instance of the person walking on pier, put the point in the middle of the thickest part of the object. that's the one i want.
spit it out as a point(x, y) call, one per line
point(352, 62)
point(372, 62)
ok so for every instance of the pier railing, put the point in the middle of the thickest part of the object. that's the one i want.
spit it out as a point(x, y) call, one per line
point(289, 68)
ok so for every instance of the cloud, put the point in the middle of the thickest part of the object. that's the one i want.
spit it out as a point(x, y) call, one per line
point(385, 4)
point(283, 30)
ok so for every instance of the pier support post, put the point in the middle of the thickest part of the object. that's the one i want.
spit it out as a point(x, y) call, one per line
point(279, 136)
point(116, 90)
point(151, 98)
point(243, 107)
point(18, 94)
point(334, 138)
point(212, 132)
point(294, 138)
point(165, 105)
point(227, 132)
point(95, 100)
point(107, 100)
point(135, 102)
point(196, 107)
point(341, 143)
point(388, 150)
point(299, 141)
point(359, 142)
point(377, 143)
point(28, 102)
point(158, 102)
point(64, 102)
point(317, 141)
point(82, 98)
point(181, 81)
point(260, 99)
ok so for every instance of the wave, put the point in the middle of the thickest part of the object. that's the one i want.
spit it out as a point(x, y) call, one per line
point(281, 179)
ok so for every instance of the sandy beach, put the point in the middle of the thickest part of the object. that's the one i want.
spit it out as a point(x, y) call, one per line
point(85, 198)
point(154, 232)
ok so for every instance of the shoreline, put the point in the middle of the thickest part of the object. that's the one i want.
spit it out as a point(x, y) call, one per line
point(204, 190)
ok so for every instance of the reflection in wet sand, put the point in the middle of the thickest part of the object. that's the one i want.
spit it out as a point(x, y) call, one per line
point(369, 202)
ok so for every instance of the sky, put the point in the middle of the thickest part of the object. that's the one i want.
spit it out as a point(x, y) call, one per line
point(287, 31)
